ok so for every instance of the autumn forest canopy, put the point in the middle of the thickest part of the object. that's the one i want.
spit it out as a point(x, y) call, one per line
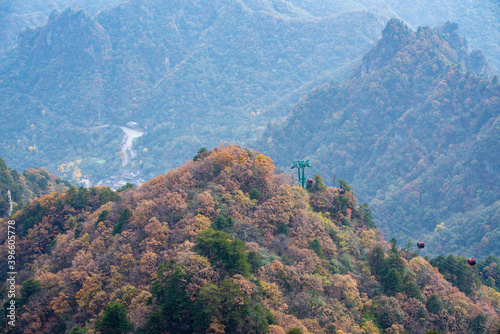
point(195, 111)
point(224, 244)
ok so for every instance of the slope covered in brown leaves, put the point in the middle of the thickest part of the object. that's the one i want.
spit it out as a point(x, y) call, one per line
point(223, 244)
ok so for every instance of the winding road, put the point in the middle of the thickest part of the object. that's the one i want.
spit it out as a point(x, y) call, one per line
point(127, 141)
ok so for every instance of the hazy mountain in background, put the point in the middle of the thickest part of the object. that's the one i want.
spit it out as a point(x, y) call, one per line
point(52, 89)
point(192, 73)
point(479, 21)
point(16, 15)
point(224, 85)
point(416, 131)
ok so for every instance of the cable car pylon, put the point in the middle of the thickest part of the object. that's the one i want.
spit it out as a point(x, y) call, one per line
point(301, 165)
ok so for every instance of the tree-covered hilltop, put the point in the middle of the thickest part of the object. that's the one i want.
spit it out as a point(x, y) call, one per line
point(416, 132)
point(23, 187)
point(191, 72)
point(223, 244)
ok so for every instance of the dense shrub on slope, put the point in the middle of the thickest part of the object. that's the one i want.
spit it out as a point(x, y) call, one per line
point(224, 245)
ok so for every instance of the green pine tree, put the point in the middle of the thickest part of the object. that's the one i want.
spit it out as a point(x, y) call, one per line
point(434, 304)
point(392, 282)
point(114, 320)
point(377, 261)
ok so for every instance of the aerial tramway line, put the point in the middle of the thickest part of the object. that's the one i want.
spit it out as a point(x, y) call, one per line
point(302, 164)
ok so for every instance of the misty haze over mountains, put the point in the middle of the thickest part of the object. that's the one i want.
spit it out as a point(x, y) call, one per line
point(195, 74)
point(478, 20)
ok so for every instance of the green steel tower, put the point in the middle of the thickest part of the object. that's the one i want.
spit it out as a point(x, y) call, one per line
point(301, 165)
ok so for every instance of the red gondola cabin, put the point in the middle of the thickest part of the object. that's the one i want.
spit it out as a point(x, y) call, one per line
point(420, 245)
point(471, 261)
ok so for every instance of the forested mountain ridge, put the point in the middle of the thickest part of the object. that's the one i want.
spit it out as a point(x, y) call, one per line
point(421, 126)
point(16, 15)
point(479, 20)
point(52, 87)
point(23, 187)
point(224, 245)
point(182, 69)
point(159, 63)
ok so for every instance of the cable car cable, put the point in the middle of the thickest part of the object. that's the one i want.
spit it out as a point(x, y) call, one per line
point(382, 213)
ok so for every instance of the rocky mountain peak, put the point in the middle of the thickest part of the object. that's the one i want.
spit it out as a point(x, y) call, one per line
point(394, 36)
point(443, 42)
point(450, 32)
point(68, 33)
point(395, 30)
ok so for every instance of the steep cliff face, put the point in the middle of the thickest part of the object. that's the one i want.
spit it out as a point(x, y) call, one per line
point(477, 63)
point(71, 33)
point(417, 123)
